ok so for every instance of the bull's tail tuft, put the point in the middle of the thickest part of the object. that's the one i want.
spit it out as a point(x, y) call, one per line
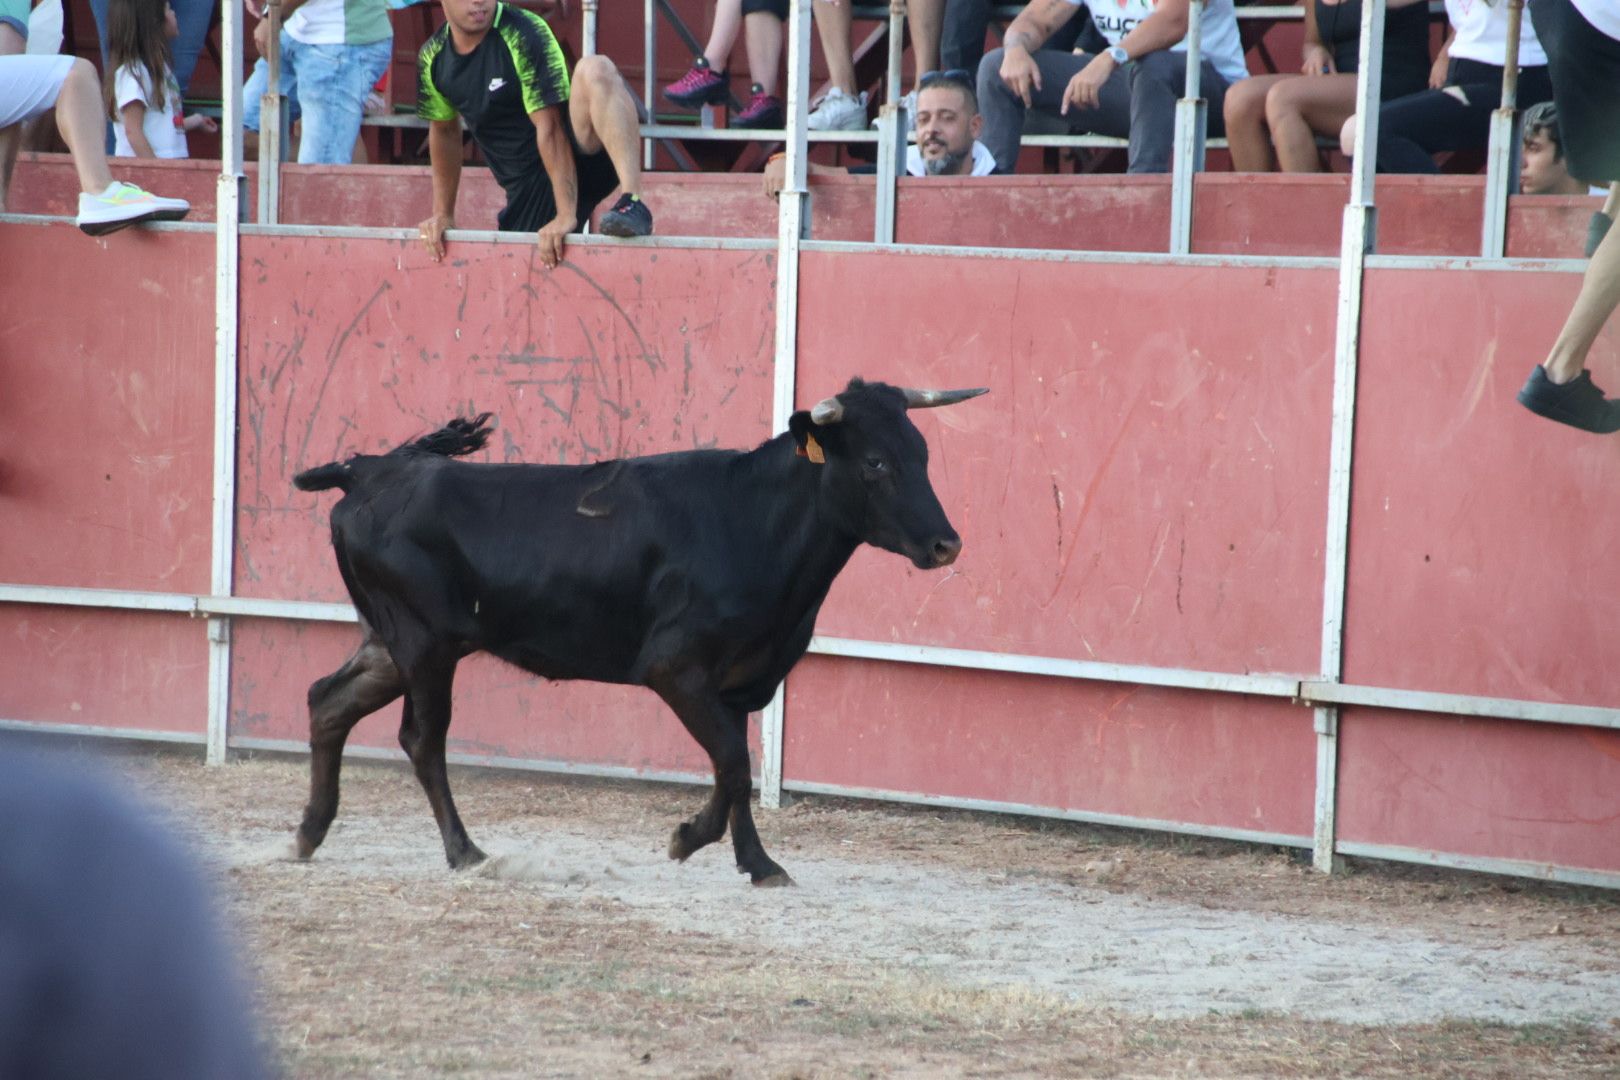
point(459, 437)
point(338, 474)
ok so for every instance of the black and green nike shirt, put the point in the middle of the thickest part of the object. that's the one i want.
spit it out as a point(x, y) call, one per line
point(516, 70)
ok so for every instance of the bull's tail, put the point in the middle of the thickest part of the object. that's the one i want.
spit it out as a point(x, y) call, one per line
point(338, 474)
point(459, 437)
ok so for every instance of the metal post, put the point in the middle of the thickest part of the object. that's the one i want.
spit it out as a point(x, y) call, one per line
point(1358, 238)
point(792, 214)
point(228, 201)
point(273, 126)
point(890, 166)
point(588, 33)
point(1501, 173)
point(897, 45)
point(649, 74)
point(1191, 125)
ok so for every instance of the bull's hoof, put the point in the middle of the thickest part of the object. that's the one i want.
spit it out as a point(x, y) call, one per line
point(468, 859)
point(777, 880)
point(302, 846)
point(681, 846)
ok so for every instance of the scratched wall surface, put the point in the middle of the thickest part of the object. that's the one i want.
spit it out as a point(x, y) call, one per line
point(1138, 487)
point(617, 353)
point(1489, 788)
point(107, 417)
point(1480, 534)
point(1222, 761)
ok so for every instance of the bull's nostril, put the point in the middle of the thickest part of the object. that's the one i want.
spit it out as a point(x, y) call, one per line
point(946, 551)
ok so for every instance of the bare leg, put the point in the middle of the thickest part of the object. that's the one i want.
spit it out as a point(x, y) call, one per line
point(1298, 109)
point(80, 119)
point(763, 33)
point(604, 117)
point(727, 18)
point(1247, 135)
point(832, 26)
point(927, 19)
point(1600, 293)
point(365, 683)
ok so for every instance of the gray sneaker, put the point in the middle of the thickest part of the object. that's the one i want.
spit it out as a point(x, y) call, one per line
point(122, 205)
point(838, 111)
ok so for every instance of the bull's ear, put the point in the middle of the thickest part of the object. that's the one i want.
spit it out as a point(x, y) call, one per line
point(803, 429)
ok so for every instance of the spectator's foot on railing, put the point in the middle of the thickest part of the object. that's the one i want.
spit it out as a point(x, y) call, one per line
point(1596, 230)
point(838, 111)
point(700, 86)
point(762, 111)
point(1578, 403)
point(629, 217)
point(123, 205)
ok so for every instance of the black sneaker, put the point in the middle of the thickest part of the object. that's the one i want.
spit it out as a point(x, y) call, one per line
point(629, 217)
point(1578, 403)
point(762, 111)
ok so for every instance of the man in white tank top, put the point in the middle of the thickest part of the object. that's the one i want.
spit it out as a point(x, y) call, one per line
point(1128, 90)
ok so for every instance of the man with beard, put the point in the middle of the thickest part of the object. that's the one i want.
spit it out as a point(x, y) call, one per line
point(948, 125)
point(557, 146)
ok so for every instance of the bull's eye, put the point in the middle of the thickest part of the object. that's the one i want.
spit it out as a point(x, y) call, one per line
point(875, 464)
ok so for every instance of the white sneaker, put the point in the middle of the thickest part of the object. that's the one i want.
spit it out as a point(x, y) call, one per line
point(838, 111)
point(909, 103)
point(122, 205)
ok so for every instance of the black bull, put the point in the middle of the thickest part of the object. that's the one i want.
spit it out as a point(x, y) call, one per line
point(698, 575)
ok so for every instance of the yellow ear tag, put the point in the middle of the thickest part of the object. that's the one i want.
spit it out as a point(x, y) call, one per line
point(812, 450)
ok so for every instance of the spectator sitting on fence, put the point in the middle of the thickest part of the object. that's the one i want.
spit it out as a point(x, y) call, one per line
point(709, 83)
point(948, 124)
point(1465, 87)
point(29, 85)
point(143, 99)
point(1542, 169)
point(1583, 49)
point(332, 53)
point(557, 146)
point(1128, 91)
point(1288, 112)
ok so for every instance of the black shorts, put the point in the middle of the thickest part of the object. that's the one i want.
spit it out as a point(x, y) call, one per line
point(531, 203)
point(1585, 68)
point(779, 8)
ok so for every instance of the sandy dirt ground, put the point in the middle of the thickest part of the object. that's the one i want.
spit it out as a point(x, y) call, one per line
point(916, 943)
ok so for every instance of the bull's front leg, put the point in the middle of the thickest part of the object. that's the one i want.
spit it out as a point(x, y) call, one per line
point(722, 732)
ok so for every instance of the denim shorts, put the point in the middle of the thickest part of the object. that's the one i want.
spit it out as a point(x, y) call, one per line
point(327, 86)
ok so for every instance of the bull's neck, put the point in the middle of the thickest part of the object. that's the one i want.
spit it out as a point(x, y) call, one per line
point(803, 533)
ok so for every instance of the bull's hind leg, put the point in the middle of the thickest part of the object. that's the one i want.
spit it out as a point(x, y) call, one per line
point(422, 732)
point(723, 733)
point(365, 683)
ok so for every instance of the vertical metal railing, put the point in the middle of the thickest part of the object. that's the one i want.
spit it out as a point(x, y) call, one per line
point(273, 124)
point(793, 213)
point(1502, 155)
point(649, 74)
point(1191, 124)
point(1357, 240)
point(588, 30)
point(227, 262)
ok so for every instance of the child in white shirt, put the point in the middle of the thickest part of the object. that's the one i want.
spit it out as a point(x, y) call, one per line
point(143, 98)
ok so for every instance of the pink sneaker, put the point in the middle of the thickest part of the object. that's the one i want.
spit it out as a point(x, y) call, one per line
point(762, 111)
point(700, 86)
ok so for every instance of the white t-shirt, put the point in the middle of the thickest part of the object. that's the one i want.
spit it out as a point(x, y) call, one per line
point(1602, 14)
point(161, 127)
point(1482, 34)
point(340, 22)
point(1220, 43)
point(984, 162)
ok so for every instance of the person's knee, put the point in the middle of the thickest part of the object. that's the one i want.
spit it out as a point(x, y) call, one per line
point(596, 73)
point(1347, 137)
point(1282, 105)
point(1243, 105)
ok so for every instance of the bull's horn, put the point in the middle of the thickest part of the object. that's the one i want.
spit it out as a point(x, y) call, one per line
point(829, 411)
point(933, 399)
